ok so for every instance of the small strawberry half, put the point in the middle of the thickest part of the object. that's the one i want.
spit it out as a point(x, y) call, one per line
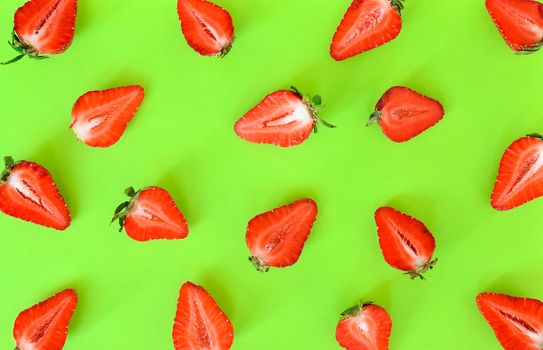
point(44, 326)
point(28, 192)
point(366, 25)
point(283, 118)
point(406, 243)
point(208, 28)
point(276, 238)
point(364, 327)
point(43, 27)
point(151, 214)
point(199, 322)
point(403, 113)
point(99, 118)
point(520, 175)
point(517, 322)
point(520, 23)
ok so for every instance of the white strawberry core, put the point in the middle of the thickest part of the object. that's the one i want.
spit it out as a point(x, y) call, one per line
point(83, 128)
point(155, 214)
point(300, 115)
point(34, 39)
point(22, 187)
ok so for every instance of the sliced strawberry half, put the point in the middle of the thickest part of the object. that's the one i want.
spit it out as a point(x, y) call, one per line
point(517, 322)
point(199, 322)
point(403, 113)
point(520, 23)
point(43, 27)
point(406, 243)
point(151, 214)
point(28, 192)
point(283, 118)
point(364, 327)
point(276, 238)
point(208, 28)
point(44, 326)
point(366, 25)
point(99, 118)
point(520, 175)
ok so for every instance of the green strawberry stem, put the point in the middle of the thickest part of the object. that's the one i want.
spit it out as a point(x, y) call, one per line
point(23, 49)
point(258, 264)
point(15, 59)
point(354, 310)
point(535, 135)
point(8, 161)
point(122, 209)
point(397, 4)
point(419, 271)
point(374, 118)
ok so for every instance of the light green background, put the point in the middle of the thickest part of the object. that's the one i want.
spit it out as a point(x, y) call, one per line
point(182, 139)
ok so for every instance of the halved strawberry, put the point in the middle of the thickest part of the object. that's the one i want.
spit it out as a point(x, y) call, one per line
point(43, 27)
point(276, 238)
point(151, 214)
point(283, 118)
point(44, 326)
point(366, 25)
point(207, 27)
point(199, 322)
point(520, 175)
point(99, 118)
point(28, 192)
point(403, 113)
point(406, 243)
point(364, 327)
point(520, 23)
point(517, 322)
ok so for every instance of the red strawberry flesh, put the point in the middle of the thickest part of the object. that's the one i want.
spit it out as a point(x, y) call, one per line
point(364, 327)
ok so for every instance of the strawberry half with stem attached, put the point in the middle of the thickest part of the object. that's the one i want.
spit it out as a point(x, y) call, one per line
point(364, 327)
point(207, 27)
point(520, 23)
point(151, 214)
point(28, 192)
point(517, 322)
point(406, 243)
point(43, 27)
point(520, 175)
point(99, 118)
point(199, 322)
point(44, 326)
point(403, 113)
point(276, 238)
point(366, 25)
point(283, 118)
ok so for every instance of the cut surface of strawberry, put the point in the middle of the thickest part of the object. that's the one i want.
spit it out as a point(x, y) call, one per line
point(364, 327)
point(44, 326)
point(200, 324)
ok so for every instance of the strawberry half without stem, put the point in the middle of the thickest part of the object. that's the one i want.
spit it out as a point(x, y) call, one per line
point(44, 326)
point(99, 118)
point(517, 322)
point(28, 192)
point(406, 243)
point(520, 175)
point(151, 214)
point(199, 322)
point(520, 23)
point(403, 113)
point(207, 27)
point(364, 327)
point(366, 25)
point(43, 27)
point(283, 118)
point(276, 238)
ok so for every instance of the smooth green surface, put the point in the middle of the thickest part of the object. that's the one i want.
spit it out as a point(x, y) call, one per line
point(182, 139)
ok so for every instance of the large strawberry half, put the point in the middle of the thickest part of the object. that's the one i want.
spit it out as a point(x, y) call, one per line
point(366, 25)
point(283, 118)
point(150, 214)
point(200, 324)
point(28, 192)
point(208, 28)
point(517, 322)
point(43, 27)
point(99, 118)
point(403, 113)
point(406, 243)
point(44, 326)
point(520, 23)
point(276, 238)
point(364, 327)
point(520, 175)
